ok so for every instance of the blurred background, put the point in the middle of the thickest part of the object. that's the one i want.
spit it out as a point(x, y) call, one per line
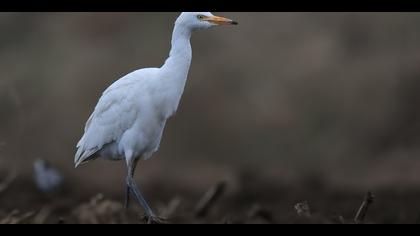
point(285, 98)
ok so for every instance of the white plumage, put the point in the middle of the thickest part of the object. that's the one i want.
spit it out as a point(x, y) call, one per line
point(126, 118)
point(47, 178)
point(129, 119)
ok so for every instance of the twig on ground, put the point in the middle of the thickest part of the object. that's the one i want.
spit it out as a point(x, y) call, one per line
point(15, 218)
point(171, 208)
point(42, 215)
point(209, 198)
point(5, 184)
point(8, 218)
point(361, 213)
point(341, 219)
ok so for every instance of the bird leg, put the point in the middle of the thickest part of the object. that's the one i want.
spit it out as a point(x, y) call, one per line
point(149, 217)
point(131, 187)
point(127, 196)
point(131, 168)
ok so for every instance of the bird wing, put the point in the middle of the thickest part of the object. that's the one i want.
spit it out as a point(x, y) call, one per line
point(115, 113)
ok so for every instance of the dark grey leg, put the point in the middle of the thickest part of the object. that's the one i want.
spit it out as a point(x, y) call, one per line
point(139, 197)
point(131, 168)
point(132, 188)
point(127, 196)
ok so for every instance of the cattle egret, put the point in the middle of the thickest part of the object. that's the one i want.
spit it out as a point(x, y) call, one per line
point(129, 119)
point(47, 178)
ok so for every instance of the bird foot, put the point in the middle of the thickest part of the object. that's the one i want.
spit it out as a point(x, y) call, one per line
point(153, 220)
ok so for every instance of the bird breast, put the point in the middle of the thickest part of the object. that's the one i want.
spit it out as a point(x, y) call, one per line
point(167, 102)
point(167, 94)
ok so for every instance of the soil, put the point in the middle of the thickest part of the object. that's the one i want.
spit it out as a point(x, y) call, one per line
point(254, 201)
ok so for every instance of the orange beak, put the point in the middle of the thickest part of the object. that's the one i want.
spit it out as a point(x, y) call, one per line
point(217, 20)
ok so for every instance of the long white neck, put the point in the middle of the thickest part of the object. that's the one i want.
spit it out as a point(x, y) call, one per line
point(180, 56)
point(175, 70)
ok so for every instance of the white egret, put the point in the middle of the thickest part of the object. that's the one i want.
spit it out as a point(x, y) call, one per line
point(47, 178)
point(129, 119)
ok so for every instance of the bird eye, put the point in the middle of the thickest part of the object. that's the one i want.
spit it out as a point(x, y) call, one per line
point(201, 17)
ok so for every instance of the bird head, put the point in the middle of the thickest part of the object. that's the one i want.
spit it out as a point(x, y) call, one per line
point(202, 20)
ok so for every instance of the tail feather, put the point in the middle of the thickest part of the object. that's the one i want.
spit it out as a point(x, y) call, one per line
point(84, 156)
